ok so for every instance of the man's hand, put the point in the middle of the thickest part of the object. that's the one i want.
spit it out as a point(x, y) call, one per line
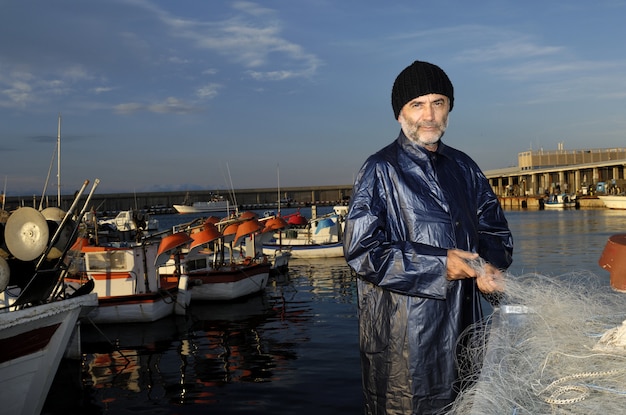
point(458, 268)
point(491, 280)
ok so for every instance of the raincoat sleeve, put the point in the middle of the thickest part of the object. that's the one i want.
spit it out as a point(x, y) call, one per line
point(495, 242)
point(381, 258)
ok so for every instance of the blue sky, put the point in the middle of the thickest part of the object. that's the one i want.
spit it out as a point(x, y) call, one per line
point(190, 95)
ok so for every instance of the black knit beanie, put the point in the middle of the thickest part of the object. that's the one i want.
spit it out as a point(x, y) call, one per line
point(420, 78)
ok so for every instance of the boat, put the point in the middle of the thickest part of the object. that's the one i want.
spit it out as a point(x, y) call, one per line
point(311, 251)
point(222, 274)
point(130, 287)
point(37, 320)
point(33, 341)
point(613, 201)
point(130, 220)
point(216, 204)
point(224, 261)
point(319, 237)
point(226, 283)
point(560, 201)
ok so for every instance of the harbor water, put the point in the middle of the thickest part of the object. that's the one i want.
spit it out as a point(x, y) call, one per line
point(291, 350)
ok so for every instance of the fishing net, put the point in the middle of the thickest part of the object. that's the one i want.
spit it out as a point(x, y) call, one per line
point(555, 345)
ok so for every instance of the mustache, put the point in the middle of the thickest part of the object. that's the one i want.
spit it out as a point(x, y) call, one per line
point(429, 124)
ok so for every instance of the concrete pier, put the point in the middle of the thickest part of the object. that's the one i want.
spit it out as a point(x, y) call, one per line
point(162, 202)
point(519, 202)
point(526, 202)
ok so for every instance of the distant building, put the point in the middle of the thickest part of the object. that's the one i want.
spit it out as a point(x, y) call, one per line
point(530, 160)
point(570, 171)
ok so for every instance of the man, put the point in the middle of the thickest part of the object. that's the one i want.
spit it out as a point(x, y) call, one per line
point(421, 215)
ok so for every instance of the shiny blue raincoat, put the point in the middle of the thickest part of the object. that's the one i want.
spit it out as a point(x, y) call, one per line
point(408, 207)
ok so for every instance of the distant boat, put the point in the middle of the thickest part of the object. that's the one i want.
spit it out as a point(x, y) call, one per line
point(130, 220)
point(614, 201)
point(216, 204)
point(561, 201)
point(320, 237)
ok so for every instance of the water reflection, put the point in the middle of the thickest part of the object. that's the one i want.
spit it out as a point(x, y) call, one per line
point(236, 357)
point(225, 345)
point(338, 283)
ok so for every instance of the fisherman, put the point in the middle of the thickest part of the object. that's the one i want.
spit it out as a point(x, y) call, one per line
point(421, 213)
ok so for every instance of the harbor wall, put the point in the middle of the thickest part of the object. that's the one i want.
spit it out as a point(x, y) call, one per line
point(162, 202)
point(534, 202)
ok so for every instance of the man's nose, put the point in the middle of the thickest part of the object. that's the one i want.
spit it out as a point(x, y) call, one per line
point(429, 112)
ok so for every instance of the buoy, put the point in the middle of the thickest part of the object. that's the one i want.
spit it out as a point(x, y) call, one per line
point(613, 259)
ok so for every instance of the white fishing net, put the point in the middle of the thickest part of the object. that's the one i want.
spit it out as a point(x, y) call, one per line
point(555, 345)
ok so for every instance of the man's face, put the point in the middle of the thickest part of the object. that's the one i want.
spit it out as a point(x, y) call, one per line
point(425, 118)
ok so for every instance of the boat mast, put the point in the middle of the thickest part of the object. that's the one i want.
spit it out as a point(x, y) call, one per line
point(4, 192)
point(232, 189)
point(57, 149)
point(59, 163)
point(278, 179)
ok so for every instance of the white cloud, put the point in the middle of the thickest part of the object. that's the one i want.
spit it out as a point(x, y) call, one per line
point(518, 48)
point(252, 8)
point(128, 108)
point(18, 93)
point(170, 105)
point(253, 39)
point(173, 106)
point(273, 75)
point(101, 89)
point(208, 91)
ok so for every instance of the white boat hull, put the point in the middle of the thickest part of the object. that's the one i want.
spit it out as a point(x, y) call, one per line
point(559, 205)
point(561, 201)
point(614, 201)
point(228, 284)
point(203, 207)
point(134, 309)
point(33, 342)
point(334, 250)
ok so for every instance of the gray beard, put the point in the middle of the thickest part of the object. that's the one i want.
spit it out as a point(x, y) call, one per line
point(429, 142)
point(419, 141)
point(411, 133)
